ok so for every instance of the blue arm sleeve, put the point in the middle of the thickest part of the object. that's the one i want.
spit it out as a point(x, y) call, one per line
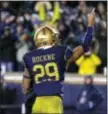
point(26, 66)
point(25, 61)
point(68, 53)
point(88, 39)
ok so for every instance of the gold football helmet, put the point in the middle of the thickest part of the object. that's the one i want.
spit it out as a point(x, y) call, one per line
point(46, 35)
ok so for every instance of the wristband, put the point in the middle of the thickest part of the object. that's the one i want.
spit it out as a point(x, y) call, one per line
point(25, 76)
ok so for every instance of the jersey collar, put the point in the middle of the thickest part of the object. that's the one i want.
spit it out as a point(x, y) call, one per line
point(45, 47)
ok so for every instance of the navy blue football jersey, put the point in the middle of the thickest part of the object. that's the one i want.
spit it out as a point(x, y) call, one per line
point(46, 68)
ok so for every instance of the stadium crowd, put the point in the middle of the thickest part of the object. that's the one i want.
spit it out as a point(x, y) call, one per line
point(19, 21)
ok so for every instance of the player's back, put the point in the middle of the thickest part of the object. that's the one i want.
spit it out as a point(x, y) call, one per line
point(46, 68)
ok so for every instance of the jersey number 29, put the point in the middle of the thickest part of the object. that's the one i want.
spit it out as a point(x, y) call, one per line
point(45, 70)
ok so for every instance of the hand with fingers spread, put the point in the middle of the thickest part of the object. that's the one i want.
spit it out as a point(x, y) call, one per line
point(91, 18)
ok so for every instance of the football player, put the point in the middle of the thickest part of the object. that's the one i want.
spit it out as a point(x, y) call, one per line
point(45, 67)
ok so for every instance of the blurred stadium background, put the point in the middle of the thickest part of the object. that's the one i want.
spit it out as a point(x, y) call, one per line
point(19, 21)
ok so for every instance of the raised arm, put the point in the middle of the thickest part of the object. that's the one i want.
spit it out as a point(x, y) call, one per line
point(78, 51)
